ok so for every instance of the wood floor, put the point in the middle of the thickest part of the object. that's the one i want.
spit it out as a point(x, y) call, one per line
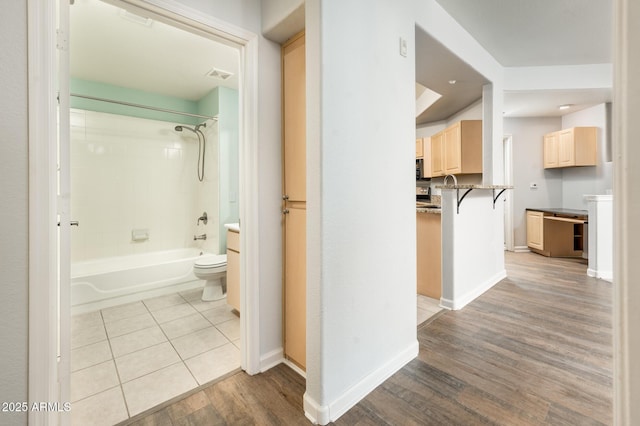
point(534, 350)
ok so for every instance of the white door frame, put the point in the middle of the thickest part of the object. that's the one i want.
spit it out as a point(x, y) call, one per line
point(508, 201)
point(43, 204)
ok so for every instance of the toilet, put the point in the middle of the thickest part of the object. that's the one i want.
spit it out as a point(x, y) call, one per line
point(213, 269)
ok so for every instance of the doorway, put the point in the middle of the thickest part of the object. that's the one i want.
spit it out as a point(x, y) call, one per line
point(507, 152)
point(45, 361)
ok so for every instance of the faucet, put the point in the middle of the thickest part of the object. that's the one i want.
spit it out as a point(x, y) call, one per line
point(455, 180)
point(200, 237)
point(203, 218)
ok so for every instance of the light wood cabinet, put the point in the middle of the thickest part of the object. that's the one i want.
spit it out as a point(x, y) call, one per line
point(555, 235)
point(294, 200)
point(535, 230)
point(572, 147)
point(429, 255)
point(551, 150)
point(454, 150)
point(419, 148)
point(233, 269)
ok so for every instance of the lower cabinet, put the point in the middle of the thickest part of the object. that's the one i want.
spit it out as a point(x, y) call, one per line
point(233, 270)
point(429, 254)
point(555, 235)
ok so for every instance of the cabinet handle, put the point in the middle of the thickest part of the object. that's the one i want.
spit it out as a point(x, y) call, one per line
point(285, 211)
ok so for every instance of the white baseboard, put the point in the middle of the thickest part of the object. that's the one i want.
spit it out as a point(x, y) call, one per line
point(521, 249)
point(295, 368)
point(323, 414)
point(603, 275)
point(463, 300)
point(271, 359)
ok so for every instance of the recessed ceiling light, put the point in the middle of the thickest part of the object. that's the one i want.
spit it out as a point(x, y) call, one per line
point(565, 106)
point(452, 82)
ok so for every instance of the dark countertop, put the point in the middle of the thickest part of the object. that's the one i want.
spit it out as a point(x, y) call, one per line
point(563, 212)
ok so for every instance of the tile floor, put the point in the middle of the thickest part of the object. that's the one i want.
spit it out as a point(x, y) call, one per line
point(129, 358)
point(427, 307)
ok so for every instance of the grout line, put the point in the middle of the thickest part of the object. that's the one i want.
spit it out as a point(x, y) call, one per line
point(113, 358)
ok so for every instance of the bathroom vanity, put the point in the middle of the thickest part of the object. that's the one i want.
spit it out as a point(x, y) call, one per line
point(233, 266)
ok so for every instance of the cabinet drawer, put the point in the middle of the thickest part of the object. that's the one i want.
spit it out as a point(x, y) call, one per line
point(233, 241)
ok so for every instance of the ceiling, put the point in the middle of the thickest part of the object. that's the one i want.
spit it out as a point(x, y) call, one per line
point(109, 45)
point(118, 48)
point(519, 33)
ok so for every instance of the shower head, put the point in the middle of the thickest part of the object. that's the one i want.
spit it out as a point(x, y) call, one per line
point(181, 128)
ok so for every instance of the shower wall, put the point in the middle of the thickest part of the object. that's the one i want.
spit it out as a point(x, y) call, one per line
point(132, 174)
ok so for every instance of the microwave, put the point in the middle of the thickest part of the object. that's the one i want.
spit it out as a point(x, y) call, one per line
point(420, 170)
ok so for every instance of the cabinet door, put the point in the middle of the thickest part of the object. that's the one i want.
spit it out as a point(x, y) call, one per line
point(566, 148)
point(535, 230)
point(295, 291)
point(233, 279)
point(437, 162)
point(419, 148)
point(452, 150)
point(551, 150)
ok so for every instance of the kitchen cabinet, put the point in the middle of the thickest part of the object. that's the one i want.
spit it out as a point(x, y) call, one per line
point(419, 148)
point(454, 150)
point(572, 147)
point(429, 254)
point(556, 233)
point(233, 269)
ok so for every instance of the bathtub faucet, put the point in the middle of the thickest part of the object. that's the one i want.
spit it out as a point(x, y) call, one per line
point(200, 237)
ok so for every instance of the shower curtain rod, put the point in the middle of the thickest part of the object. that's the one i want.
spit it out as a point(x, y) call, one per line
point(170, 111)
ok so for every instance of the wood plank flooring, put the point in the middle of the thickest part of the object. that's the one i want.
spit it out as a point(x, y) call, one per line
point(536, 349)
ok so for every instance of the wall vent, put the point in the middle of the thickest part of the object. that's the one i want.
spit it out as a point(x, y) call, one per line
point(219, 74)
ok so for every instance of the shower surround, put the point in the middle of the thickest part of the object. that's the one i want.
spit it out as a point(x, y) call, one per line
point(135, 176)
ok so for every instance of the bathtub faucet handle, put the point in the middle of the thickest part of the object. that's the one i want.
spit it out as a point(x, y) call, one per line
point(200, 237)
point(203, 218)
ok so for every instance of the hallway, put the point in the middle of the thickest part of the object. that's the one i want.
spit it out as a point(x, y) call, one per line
point(535, 349)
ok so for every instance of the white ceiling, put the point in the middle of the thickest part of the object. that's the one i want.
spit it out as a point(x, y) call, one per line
point(109, 46)
point(519, 33)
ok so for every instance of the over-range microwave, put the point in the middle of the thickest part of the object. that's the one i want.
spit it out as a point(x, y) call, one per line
point(420, 170)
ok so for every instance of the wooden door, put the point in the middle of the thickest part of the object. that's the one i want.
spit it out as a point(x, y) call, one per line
point(535, 230)
point(452, 150)
point(437, 162)
point(566, 151)
point(294, 200)
point(551, 150)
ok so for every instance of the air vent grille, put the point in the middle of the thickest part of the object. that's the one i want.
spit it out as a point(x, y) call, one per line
point(219, 74)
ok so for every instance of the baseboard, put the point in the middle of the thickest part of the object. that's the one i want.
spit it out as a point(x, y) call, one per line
point(271, 359)
point(469, 297)
point(603, 275)
point(521, 249)
point(294, 367)
point(323, 414)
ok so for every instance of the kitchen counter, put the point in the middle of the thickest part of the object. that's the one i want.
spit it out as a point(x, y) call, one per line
point(472, 186)
point(428, 207)
point(562, 212)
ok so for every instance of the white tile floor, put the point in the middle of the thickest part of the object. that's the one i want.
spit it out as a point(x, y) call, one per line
point(127, 359)
point(427, 307)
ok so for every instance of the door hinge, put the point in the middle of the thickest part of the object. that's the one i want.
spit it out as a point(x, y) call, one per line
point(62, 41)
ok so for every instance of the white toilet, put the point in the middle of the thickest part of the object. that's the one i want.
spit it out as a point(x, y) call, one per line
point(213, 269)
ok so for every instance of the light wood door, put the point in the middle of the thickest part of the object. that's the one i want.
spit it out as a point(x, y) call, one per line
point(566, 148)
point(419, 148)
point(535, 230)
point(452, 150)
point(550, 150)
point(437, 161)
point(429, 255)
point(294, 200)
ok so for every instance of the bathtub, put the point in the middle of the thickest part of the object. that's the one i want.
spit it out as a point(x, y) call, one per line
point(100, 283)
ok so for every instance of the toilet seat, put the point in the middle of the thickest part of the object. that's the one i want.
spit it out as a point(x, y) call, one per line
point(211, 261)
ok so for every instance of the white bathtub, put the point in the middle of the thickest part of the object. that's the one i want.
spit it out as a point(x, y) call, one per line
point(97, 284)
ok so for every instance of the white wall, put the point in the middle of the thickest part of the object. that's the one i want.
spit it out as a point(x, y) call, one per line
point(14, 230)
point(528, 168)
point(281, 19)
point(580, 181)
point(361, 303)
point(133, 173)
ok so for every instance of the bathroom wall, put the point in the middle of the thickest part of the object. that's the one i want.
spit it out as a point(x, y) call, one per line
point(133, 173)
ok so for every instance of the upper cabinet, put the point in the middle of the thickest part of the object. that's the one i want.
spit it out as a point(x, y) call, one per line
point(455, 150)
point(419, 148)
point(570, 147)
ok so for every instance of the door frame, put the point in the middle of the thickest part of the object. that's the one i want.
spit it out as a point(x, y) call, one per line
point(507, 141)
point(44, 379)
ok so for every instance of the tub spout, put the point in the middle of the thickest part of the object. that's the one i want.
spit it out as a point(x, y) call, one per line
point(200, 237)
